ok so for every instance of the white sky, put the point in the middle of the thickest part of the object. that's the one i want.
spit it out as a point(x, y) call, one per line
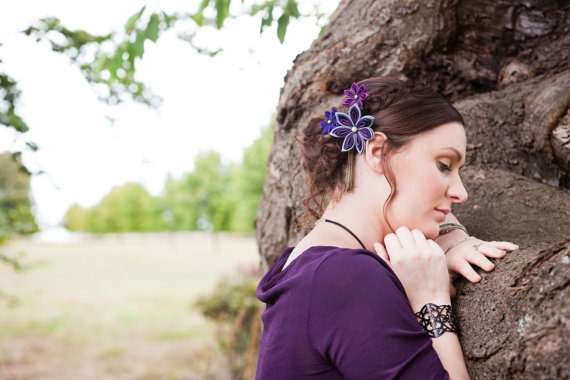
point(218, 103)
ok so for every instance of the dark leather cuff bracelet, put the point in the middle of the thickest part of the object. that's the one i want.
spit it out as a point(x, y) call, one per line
point(436, 320)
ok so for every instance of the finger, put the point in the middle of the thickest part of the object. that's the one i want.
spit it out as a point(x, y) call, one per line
point(504, 245)
point(405, 237)
point(491, 251)
point(477, 258)
point(392, 244)
point(420, 239)
point(381, 251)
point(468, 272)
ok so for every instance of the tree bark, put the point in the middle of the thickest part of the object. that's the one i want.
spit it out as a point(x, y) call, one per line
point(516, 322)
point(505, 65)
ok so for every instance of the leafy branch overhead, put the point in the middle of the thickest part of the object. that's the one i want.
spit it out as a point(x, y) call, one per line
point(109, 61)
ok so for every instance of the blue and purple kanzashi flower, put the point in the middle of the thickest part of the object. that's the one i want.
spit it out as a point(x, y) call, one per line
point(354, 128)
point(330, 122)
point(357, 94)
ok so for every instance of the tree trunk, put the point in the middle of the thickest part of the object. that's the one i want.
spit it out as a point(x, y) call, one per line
point(505, 65)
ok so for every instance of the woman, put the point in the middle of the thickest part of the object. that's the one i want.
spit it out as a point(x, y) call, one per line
point(366, 293)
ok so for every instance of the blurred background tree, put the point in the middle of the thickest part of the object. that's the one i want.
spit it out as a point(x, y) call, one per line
point(214, 197)
point(16, 217)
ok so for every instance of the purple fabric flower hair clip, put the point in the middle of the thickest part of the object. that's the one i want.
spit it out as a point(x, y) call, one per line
point(330, 121)
point(357, 94)
point(353, 127)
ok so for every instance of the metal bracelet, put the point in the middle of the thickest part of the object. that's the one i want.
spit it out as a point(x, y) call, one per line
point(450, 226)
point(457, 242)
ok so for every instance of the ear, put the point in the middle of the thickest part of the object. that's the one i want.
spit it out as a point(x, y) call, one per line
point(373, 152)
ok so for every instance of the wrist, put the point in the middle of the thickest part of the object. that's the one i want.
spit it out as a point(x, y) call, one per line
point(449, 238)
point(436, 319)
point(440, 299)
point(447, 227)
point(456, 243)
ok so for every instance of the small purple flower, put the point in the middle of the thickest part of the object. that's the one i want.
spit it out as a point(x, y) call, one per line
point(354, 128)
point(356, 94)
point(330, 121)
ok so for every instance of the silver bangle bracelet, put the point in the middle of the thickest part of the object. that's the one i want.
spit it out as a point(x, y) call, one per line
point(450, 226)
point(457, 242)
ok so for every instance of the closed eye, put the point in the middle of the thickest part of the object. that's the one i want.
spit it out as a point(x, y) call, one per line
point(444, 167)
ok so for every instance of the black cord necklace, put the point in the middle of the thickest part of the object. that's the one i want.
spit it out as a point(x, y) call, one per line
point(347, 230)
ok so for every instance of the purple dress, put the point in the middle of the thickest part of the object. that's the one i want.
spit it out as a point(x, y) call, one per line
point(337, 313)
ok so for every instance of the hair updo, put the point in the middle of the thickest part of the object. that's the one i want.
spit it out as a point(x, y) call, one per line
point(401, 110)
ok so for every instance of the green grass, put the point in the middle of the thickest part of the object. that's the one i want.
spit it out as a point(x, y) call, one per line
point(116, 306)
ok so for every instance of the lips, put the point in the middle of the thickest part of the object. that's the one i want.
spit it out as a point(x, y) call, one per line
point(445, 211)
point(442, 213)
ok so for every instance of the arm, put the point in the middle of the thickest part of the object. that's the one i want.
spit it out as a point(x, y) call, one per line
point(449, 351)
point(360, 321)
point(421, 267)
point(460, 257)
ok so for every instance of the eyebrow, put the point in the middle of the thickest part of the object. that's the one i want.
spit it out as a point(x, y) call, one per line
point(455, 151)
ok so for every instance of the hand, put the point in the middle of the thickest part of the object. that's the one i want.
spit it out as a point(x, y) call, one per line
point(475, 252)
point(419, 264)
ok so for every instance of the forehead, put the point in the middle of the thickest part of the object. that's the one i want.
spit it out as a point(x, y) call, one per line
point(446, 139)
point(451, 135)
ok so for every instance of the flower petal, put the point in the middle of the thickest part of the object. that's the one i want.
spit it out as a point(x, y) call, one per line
point(359, 142)
point(326, 127)
point(330, 114)
point(348, 142)
point(366, 133)
point(355, 88)
point(344, 119)
point(341, 131)
point(365, 122)
point(354, 114)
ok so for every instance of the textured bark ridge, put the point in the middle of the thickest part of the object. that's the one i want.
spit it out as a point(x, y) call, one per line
point(516, 322)
point(505, 64)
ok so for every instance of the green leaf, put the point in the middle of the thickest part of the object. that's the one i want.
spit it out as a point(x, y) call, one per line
point(268, 19)
point(100, 64)
point(282, 24)
point(136, 49)
point(292, 8)
point(130, 25)
point(222, 12)
point(116, 62)
point(203, 5)
point(198, 17)
point(152, 29)
point(256, 8)
point(32, 145)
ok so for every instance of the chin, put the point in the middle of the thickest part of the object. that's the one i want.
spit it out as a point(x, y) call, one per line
point(431, 232)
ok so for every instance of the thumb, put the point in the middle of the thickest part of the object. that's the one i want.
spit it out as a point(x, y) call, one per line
point(381, 251)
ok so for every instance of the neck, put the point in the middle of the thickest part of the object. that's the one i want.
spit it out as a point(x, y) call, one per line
point(364, 219)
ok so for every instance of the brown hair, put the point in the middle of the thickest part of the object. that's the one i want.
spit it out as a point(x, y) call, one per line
point(402, 110)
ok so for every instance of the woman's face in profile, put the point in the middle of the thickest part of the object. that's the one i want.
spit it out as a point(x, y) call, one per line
point(427, 179)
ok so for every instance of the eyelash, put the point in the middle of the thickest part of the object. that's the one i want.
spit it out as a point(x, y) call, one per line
point(443, 167)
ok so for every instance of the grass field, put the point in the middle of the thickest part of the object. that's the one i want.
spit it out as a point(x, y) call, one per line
point(116, 306)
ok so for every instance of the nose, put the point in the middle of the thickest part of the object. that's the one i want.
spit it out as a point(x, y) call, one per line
point(457, 191)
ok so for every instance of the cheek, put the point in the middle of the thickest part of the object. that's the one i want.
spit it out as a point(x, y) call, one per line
point(417, 195)
point(432, 184)
point(423, 186)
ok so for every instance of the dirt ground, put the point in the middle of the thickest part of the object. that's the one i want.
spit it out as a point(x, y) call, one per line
point(116, 306)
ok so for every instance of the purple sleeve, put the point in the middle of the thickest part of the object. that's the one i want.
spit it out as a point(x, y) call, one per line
point(360, 320)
